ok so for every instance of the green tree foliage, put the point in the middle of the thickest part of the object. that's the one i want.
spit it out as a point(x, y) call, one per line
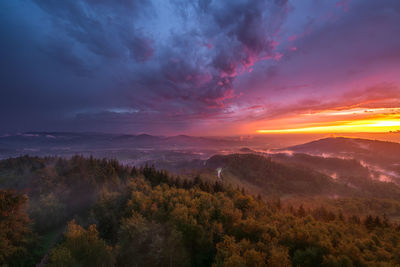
point(229, 228)
point(81, 248)
point(147, 243)
point(279, 257)
point(145, 217)
point(16, 237)
point(244, 253)
point(48, 212)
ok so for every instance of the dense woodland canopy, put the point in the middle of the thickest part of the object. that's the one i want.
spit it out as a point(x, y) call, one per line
point(90, 212)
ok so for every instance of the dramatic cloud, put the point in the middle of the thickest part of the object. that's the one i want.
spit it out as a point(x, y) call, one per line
point(197, 67)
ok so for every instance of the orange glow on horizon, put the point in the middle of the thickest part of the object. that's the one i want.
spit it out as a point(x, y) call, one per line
point(379, 123)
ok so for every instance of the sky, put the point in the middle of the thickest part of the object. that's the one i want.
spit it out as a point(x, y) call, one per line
point(204, 67)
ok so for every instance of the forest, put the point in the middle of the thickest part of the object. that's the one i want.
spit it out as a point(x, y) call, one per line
point(97, 212)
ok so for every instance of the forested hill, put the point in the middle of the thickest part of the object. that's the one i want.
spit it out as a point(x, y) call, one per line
point(350, 145)
point(113, 215)
point(380, 156)
point(275, 178)
point(298, 175)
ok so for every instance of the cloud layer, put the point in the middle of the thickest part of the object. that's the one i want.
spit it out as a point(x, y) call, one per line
point(197, 67)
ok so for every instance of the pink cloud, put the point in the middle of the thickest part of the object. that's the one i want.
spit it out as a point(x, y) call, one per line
point(278, 56)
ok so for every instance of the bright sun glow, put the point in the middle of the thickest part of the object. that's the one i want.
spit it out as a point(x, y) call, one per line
point(383, 123)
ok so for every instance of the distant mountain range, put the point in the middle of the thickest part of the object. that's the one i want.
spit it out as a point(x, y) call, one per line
point(129, 149)
point(334, 157)
point(41, 140)
point(94, 139)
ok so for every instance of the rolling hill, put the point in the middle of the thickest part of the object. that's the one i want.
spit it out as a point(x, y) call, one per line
point(381, 158)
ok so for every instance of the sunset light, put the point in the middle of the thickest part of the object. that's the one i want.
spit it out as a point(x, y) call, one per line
point(378, 124)
point(200, 133)
point(344, 127)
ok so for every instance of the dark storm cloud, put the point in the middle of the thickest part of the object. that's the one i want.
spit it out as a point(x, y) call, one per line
point(162, 57)
point(106, 28)
point(147, 64)
point(219, 42)
point(62, 53)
